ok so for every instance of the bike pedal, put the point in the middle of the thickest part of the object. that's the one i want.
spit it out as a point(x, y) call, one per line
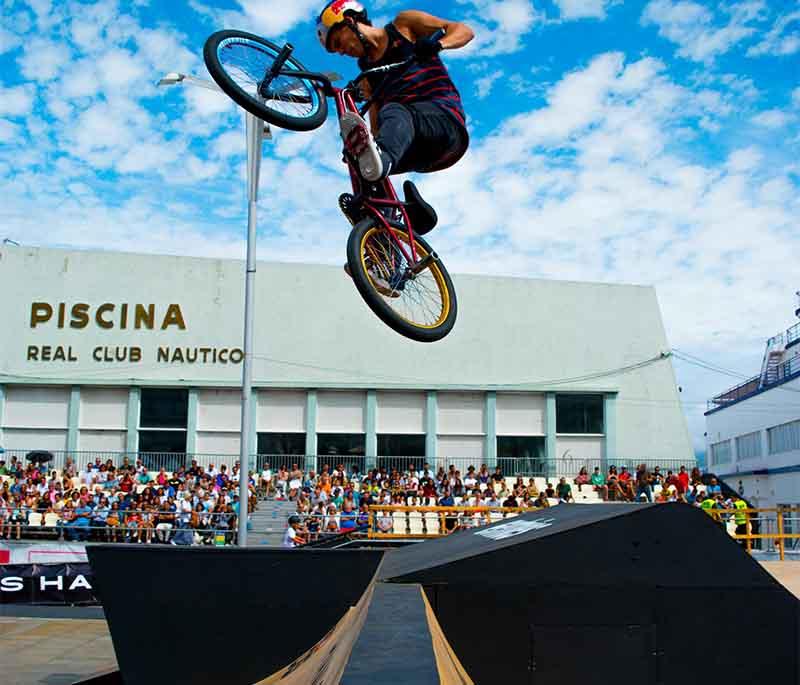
point(349, 208)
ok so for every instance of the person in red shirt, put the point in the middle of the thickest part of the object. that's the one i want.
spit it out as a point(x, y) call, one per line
point(127, 483)
point(624, 475)
point(683, 480)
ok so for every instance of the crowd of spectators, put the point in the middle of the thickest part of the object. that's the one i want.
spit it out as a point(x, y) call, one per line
point(337, 499)
point(643, 485)
point(195, 504)
point(125, 503)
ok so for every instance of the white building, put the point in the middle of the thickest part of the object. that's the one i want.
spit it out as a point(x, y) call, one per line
point(753, 429)
point(125, 353)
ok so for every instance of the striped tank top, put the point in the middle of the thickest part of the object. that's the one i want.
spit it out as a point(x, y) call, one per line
point(426, 81)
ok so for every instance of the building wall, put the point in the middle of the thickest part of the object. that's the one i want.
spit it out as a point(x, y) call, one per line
point(770, 477)
point(774, 407)
point(317, 345)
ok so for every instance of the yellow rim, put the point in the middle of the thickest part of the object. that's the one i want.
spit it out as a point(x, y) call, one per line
point(369, 251)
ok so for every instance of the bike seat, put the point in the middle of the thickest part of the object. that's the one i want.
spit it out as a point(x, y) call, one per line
point(422, 215)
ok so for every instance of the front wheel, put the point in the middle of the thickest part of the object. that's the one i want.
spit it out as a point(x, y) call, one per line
point(239, 61)
point(420, 306)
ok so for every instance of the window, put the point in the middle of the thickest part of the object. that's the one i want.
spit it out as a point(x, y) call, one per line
point(163, 416)
point(520, 454)
point(282, 443)
point(784, 438)
point(164, 408)
point(748, 446)
point(721, 452)
point(341, 448)
point(579, 414)
point(341, 444)
point(401, 445)
point(162, 441)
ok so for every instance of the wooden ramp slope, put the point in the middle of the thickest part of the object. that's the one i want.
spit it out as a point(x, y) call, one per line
point(390, 637)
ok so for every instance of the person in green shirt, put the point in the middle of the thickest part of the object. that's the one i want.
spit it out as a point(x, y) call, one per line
point(740, 517)
point(598, 481)
point(564, 491)
point(3, 469)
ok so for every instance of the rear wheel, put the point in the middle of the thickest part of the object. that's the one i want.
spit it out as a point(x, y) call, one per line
point(238, 62)
point(420, 306)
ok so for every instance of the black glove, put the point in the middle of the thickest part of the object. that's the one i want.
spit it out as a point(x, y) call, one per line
point(427, 47)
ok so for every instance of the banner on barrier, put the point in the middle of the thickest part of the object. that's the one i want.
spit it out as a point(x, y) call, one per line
point(47, 584)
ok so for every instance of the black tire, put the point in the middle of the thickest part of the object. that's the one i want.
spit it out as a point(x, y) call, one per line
point(252, 104)
point(376, 302)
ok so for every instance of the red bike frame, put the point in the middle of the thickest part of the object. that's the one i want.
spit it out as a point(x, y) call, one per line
point(346, 103)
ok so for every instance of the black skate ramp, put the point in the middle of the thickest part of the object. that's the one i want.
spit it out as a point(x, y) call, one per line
point(188, 615)
point(648, 586)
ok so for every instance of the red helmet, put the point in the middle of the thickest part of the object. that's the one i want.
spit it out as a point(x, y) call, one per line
point(335, 13)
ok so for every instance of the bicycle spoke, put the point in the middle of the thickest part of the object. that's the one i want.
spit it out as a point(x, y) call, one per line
point(247, 64)
point(417, 299)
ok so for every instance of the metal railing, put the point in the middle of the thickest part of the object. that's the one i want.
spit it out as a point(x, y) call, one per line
point(787, 369)
point(793, 334)
point(396, 522)
point(737, 392)
point(779, 528)
point(509, 466)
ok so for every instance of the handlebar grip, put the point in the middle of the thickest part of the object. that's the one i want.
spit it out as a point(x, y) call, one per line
point(441, 33)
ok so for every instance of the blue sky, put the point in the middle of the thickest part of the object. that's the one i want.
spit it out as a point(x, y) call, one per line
point(612, 140)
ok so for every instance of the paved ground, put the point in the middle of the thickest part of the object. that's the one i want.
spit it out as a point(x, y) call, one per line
point(53, 651)
point(787, 572)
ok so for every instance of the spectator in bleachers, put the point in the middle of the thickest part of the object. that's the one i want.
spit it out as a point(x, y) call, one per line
point(582, 478)
point(564, 491)
point(598, 482)
point(644, 483)
point(531, 489)
point(550, 491)
point(497, 476)
point(541, 501)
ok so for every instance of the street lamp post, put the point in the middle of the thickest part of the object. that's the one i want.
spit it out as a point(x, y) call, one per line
point(256, 131)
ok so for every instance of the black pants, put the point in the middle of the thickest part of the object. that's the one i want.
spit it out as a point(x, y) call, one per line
point(420, 136)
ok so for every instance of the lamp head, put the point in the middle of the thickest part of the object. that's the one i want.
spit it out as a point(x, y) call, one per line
point(171, 79)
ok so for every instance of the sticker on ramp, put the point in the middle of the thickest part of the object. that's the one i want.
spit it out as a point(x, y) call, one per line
point(509, 530)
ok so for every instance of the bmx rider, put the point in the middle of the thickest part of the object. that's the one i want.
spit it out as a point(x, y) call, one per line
point(417, 121)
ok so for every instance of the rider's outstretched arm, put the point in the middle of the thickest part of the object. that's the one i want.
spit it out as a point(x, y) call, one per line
point(421, 25)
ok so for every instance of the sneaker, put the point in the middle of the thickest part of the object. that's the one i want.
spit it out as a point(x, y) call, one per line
point(358, 141)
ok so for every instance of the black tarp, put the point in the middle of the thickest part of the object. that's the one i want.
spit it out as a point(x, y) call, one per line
point(189, 615)
point(653, 583)
point(65, 584)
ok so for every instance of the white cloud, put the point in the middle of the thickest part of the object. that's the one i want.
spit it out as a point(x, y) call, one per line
point(42, 59)
point(499, 26)
point(16, 102)
point(796, 97)
point(696, 29)
point(8, 41)
point(9, 131)
point(744, 160)
point(583, 9)
point(782, 39)
point(484, 84)
point(771, 118)
point(120, 68)
point(274, 18)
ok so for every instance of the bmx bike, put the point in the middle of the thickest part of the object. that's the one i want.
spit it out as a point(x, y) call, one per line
point(394, 269)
